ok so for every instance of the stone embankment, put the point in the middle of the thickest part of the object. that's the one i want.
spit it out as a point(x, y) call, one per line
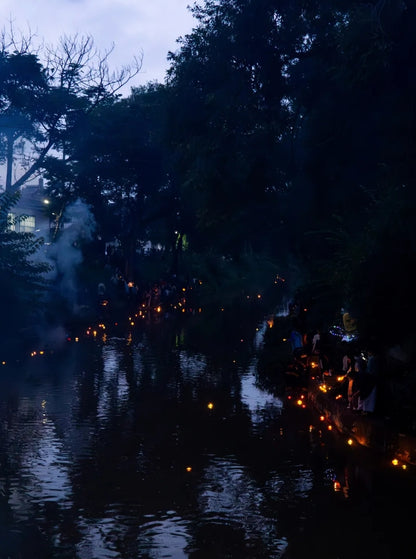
point(368, 430)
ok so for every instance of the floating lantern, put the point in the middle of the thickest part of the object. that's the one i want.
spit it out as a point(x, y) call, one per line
point(395, 462)
point(210, 406)
point(350, 442)
point(337, 485)
point(188, 468)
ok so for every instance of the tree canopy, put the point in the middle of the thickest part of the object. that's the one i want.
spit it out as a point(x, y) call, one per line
point(283, 136)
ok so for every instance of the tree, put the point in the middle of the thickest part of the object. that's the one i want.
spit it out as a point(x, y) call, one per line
point(22, 273)
point(43, 92)
point(115, 161)
point(229, 124)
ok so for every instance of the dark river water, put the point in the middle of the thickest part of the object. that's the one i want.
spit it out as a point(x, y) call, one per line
point(163, 444)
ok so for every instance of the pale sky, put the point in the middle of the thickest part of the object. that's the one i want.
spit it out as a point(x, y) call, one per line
point(135, 27)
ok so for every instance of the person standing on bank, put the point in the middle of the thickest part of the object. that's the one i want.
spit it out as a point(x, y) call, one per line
point(368, 384)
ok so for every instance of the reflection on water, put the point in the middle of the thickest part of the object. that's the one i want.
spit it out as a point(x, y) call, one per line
point(146, 448)
point(168, 536)
point(259, 402)
point(229, 496)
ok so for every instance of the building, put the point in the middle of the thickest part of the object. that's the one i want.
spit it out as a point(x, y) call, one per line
point(29, 214)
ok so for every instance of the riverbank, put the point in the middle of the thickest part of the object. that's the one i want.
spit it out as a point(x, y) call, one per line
point(377, 433)
point(389, 429)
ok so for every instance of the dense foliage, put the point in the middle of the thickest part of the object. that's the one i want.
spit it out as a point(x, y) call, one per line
point(22, 283)
point(283, 141)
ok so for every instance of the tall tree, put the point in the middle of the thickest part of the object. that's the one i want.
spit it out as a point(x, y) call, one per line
point(43, 91)
point(22, 273)
point(115, 161)
point(230, 122)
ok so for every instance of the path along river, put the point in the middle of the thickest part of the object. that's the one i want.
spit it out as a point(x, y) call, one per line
point(158, 444)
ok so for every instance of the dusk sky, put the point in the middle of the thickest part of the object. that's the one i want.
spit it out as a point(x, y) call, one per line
point(135, 27)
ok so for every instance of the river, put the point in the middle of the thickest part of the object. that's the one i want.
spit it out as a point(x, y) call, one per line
point(160, 443)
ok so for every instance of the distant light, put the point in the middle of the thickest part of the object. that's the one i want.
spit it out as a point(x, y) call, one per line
point(46, 201)
point(350, 442)
point(395, 462)
point(210, 406)
point(188, 469)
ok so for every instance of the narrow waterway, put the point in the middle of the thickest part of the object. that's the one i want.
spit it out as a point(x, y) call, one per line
point(159, 444)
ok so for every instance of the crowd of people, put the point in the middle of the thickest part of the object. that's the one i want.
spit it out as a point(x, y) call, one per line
point(165, 295)
point(358, 367)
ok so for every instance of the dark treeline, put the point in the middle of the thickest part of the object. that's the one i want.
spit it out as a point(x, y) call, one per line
point(282, 142)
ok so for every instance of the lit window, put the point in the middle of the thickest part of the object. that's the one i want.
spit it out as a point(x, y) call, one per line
point(27, 224)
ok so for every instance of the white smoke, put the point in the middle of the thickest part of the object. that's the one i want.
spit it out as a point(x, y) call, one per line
point(65, 253)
